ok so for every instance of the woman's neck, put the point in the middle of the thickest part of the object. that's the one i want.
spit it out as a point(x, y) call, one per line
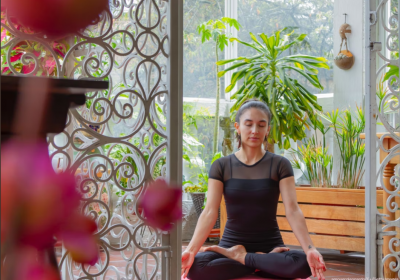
point(250, 155)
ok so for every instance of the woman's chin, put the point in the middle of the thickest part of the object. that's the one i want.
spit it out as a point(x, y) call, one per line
point(253, 144)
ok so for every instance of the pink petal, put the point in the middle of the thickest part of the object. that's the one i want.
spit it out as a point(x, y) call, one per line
point(50, 64)
point(29, 265)
point(161, 204)
point(77, 234)
point(54, 17)
point(44, 198)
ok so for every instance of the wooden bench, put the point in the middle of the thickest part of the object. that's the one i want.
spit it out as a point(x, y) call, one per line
point(335, 217)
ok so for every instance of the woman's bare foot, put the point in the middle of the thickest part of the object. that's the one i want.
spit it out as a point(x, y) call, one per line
point(237, 253)
point(280, 250)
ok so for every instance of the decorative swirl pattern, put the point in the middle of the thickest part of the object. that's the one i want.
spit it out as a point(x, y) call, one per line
point(390, 104)
point(117, 141)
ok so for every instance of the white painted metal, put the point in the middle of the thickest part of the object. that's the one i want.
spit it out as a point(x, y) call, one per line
point(231, 7)
point(370, 131)
point(137, 46)
point(377, 57)
point(174, 124)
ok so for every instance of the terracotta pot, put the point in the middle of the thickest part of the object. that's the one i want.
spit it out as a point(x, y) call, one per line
point(346, 62)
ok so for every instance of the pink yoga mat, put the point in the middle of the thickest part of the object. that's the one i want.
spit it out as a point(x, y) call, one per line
point(254, 277)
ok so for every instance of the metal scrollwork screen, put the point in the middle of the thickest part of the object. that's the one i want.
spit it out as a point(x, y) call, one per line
point(384, 67)
point(118, 140)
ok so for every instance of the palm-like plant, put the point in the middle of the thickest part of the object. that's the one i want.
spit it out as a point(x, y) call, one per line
point(269, 77)
point(216, 30)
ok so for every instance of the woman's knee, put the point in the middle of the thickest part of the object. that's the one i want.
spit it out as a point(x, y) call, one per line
point(301, 268)
point(197, 271)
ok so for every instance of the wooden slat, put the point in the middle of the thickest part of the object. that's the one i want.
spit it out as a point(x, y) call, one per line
point(328, 242)
point(331, 196)
point(328, 212)
point(222, 216)
point(344, 213)
point(328, 227)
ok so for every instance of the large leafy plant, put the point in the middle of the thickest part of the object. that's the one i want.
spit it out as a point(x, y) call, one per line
point(269, 76)
point(215, 30)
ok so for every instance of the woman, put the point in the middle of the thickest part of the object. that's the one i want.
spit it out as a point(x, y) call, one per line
point(251, 180)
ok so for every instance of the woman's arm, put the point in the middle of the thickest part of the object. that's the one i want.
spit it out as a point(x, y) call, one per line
point(294, 214)
point(208, 216)
point(298, 224)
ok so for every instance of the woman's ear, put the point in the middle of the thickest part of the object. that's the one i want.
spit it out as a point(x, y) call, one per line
point(237, 127)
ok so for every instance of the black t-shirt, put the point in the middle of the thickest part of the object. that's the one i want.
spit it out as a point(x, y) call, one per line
point(251, 192)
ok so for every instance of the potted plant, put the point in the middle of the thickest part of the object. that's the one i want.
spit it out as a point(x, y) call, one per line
point(198, 192)
point(269, 77)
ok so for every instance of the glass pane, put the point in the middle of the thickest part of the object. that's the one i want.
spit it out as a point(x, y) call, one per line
point(199, 69)
point(311, 17)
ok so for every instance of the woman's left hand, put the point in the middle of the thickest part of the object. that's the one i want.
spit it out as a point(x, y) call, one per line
point(317, 264)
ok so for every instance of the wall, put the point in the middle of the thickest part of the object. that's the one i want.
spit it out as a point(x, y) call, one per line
point(348, 84)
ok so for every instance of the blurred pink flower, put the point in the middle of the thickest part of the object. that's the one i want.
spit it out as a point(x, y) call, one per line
point(30, 266)
point(38, 204)
point(96, 207)
point(104, 197)
point(60, 48)
point(161, 204)
point(55, 18)
point(50, 65)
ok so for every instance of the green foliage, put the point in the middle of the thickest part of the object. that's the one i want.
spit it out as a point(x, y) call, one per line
point(347, 129)
point(315, 156)
point(216, 30)
point(318, 162)
point(312, 17)
point(268, 76)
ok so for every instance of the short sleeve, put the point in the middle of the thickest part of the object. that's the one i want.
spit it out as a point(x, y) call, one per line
point(216, 171)
point(285, 169)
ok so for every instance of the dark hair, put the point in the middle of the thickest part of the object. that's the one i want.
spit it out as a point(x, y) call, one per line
point(248, 104)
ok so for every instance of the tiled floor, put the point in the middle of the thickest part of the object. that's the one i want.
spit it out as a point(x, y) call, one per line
point(339, 266)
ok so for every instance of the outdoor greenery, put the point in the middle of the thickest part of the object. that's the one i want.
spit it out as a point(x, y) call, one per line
point(216, 30)
point(311, 17)
point(268, 76)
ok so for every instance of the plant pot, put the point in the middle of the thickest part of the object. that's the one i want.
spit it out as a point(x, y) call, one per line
point(198, 201)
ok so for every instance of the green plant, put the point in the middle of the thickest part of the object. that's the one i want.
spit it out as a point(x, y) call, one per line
point(269, 77)
point(318, 162)
point(216, 30)
point(194, 189)
point(347, 129)
point(315, 157)
point(202, 185)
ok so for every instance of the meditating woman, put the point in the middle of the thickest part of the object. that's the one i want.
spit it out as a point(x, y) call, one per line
point(251, 180)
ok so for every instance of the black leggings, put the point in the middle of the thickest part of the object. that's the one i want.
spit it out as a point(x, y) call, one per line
point(214, 266)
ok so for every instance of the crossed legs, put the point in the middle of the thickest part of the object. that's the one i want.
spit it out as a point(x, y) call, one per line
point(218, 263)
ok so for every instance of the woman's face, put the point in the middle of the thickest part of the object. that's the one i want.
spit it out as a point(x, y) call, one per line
point(253, 127)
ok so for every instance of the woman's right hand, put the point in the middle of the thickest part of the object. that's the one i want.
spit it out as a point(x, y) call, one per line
point(187, 261)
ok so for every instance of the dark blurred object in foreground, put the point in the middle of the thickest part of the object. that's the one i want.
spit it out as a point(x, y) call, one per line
point(63, 95)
